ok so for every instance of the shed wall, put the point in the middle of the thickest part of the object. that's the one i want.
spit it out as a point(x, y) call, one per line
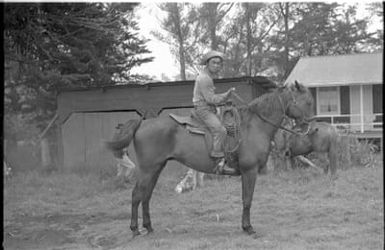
point(84, 135)
point(89, 117)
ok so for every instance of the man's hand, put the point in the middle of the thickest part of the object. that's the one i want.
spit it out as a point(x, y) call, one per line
point(231, 90)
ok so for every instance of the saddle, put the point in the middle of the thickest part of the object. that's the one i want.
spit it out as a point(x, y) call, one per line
point(230, 119)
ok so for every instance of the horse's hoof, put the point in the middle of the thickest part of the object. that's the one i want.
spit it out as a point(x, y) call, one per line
point(135, 233)
point(150, 230)
point(249, 230)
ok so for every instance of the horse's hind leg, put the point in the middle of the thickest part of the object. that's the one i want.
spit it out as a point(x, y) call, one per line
point(142, 194)
point(149, 188)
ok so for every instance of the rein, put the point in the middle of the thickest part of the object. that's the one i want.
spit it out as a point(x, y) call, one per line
point(270, 122)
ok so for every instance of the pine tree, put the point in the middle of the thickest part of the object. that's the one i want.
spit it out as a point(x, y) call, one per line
point(51, 46)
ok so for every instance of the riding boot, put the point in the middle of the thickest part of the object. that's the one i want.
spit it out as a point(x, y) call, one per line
point(223, 169)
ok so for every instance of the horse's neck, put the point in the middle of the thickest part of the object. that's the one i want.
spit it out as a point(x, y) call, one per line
point(270, 107)
point(268, 110)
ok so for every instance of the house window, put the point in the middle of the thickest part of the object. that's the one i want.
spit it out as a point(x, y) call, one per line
point(328, 100)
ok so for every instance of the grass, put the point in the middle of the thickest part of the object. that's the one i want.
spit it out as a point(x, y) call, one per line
point(299, 209)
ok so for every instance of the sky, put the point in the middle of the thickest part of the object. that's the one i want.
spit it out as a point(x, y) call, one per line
point(164, 63)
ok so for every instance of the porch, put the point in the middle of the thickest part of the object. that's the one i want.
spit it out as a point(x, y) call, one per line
point(355, 123)
point(368, 127)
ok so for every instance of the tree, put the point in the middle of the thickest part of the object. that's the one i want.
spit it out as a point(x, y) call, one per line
point(49, 46)
point(212, 16)
point(312, 29)
point(327, 29)
point(284, 9)
point(179, 29)
point(260, 38)
point(376, 10)
point(246, 39)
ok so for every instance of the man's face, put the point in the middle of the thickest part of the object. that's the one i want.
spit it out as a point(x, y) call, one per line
point(214, 65)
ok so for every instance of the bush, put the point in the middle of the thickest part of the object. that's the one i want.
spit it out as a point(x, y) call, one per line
point(362, 153)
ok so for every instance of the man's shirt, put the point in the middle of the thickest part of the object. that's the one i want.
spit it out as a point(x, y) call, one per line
point(204, 91)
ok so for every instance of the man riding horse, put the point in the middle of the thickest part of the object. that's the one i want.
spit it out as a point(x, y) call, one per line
point(205, 106)
point(161, 139)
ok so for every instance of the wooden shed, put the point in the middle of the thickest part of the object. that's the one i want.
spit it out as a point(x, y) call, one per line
point(88, 117)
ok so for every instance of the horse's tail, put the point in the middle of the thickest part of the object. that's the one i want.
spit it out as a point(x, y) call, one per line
point(123, 137)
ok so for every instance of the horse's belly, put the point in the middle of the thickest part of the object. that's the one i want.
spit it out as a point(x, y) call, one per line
point(191, 150)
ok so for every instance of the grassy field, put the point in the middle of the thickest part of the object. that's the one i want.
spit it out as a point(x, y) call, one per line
point(301, 209)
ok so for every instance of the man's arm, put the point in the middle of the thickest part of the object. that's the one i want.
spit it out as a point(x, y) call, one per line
point(207, 88)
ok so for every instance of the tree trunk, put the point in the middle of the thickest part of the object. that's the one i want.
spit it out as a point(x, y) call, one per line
point(182, 59)
point(248, 28)
point(212, 22)
point(286, 19)
point(284, 8)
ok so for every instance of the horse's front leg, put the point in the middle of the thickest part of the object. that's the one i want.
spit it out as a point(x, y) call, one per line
point(248, 183)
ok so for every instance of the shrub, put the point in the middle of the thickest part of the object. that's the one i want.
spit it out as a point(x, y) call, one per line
point(362, 153)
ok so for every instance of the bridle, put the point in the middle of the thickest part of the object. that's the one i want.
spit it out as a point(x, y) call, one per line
point(302, 121)
point(284, 114)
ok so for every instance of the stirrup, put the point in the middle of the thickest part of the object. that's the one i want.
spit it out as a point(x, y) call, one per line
point(220, 163)
point(223, 169)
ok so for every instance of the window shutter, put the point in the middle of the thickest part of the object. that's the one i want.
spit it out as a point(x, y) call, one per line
point(377, 98)
point(345, 100)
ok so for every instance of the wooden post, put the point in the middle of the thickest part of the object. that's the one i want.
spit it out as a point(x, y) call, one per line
point(46, 160)
point(45, 154)
point(362, 108)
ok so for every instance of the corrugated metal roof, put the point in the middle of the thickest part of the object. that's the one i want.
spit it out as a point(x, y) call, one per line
point(338, 70)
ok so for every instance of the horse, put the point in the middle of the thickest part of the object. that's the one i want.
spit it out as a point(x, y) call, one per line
point(158, 140)
point(321, 138)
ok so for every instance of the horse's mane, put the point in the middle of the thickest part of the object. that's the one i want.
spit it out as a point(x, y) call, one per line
point(266, 104)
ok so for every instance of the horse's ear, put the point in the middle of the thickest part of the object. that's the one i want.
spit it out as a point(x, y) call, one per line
point(292, 87)
point(298, 86)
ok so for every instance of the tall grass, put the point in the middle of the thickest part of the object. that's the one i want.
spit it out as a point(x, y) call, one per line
point(362, 153)
point(351, 152)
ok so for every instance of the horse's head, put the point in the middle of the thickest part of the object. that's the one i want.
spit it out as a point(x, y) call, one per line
point(300, 106)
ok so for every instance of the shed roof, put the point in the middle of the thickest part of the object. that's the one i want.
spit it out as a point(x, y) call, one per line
point(260, 80)
point(338, 70)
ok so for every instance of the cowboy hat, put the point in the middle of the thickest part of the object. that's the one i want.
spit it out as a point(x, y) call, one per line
point(206, 57)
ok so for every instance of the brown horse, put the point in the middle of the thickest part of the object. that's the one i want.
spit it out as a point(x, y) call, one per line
point(161, 139)
point(322, 138)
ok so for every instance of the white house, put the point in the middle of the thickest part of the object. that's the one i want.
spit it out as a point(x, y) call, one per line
point(347, 90)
